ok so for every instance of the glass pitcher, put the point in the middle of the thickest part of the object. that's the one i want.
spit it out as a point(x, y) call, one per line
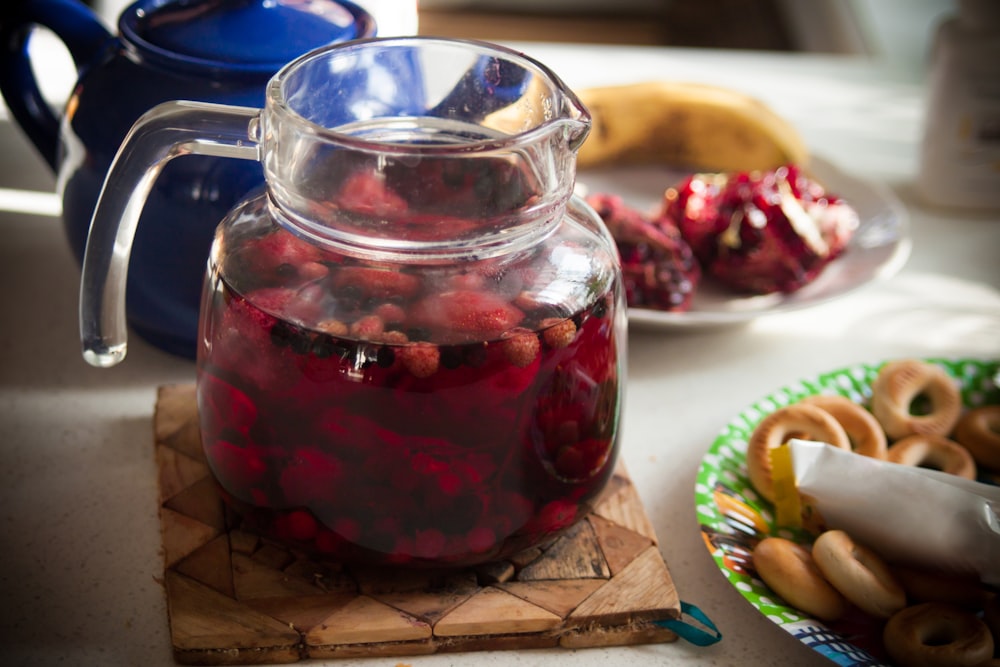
point(412, 342)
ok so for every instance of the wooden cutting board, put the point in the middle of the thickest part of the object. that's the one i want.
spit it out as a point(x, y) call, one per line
point(234, 598)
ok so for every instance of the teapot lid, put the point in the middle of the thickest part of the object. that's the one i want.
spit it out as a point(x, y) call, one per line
point(248, 36)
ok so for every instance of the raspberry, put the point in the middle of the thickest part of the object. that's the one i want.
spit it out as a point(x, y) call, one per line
point(421, 359)
point(558, 333)
point(465, 315)
point(521, 348)
point(658, 266)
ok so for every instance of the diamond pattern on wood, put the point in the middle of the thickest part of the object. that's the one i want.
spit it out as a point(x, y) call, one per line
point(235, 598)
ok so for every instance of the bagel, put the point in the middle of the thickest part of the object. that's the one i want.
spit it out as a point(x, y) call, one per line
point(865, 432)
point(978, 430)
point(792, 421)
point(933, 451)
point(788, 569)
point(896, 389)
point(858, 573)
point(934, 634)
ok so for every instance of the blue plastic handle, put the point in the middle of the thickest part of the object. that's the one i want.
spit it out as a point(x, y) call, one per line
point(85, 38)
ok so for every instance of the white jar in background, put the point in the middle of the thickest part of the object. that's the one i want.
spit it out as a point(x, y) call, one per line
point(393, 18)
point(960, 154)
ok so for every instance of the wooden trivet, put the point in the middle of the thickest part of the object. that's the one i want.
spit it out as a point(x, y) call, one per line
point(234, 598)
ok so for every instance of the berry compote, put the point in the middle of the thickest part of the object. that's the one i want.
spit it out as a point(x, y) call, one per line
point(409, 415)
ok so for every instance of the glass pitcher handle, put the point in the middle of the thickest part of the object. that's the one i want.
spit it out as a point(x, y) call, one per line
point(167, 131)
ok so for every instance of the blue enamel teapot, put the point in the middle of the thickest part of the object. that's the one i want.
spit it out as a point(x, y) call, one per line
point(219, 51)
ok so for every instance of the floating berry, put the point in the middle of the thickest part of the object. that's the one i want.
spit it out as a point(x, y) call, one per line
point(520, 348)
point(558, 333)
point(421, 359)
point(375, 283)
point(275, 258)
point(366, 194)
point(465, 315)
point(369, 327)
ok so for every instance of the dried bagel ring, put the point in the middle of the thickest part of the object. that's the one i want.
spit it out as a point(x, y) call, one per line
point(935, 634)
point(858, 573)
point(866, 434)
point(806, 422)
point(933, 451)
point(978, 430)
point(895, 389)
point(788, 569)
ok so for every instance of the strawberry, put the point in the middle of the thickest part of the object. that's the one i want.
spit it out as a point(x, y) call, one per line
point(367, 194)
point(376, 283)
point(465, 315)
point(278, 258)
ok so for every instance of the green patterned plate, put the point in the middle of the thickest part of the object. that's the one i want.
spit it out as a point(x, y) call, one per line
point(734, 518)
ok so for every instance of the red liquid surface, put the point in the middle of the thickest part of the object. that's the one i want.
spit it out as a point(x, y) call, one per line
point(411, 437)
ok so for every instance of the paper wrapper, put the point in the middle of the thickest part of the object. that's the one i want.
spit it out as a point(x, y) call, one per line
point(909, 515)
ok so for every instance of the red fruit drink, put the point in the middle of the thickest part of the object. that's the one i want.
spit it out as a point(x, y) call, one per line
point(440, 416)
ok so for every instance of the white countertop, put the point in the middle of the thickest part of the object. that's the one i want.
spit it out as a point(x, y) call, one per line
point(80, 566)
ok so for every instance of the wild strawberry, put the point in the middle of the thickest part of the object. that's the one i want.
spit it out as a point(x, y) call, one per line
point(465, 315)
point(659, 269)
point(520, 348)
point(332, 327)
point(369, 327)
point(421, 359)
point(558, 333)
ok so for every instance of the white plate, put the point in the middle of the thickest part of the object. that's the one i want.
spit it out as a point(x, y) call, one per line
point(878, 249)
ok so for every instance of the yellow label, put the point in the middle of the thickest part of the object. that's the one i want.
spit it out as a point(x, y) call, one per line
point(787, 506)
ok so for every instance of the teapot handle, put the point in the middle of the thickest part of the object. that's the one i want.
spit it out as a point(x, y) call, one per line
point(166, 131)
point(84, 36)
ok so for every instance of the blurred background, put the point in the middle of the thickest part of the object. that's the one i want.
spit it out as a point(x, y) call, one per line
point(894, 30)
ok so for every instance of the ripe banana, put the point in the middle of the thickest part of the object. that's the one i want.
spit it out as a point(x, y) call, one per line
point(698, 126)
